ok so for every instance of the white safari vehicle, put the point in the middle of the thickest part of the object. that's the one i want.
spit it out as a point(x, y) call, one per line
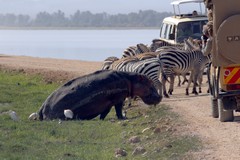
point(181, 25)
point(224, 77)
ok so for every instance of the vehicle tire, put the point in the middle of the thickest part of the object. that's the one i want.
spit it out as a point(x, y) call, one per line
point(214, 88)
point(224, 115)
point(215, 112)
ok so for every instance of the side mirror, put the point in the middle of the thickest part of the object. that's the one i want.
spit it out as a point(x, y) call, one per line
point(171, 36)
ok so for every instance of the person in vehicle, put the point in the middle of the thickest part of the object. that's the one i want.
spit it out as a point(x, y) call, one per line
point(207, 38)
point(194, 13)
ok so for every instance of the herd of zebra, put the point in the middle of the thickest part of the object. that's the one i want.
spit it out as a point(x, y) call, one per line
point(162, 60)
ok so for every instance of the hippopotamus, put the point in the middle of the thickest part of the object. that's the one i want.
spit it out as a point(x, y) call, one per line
point(94, 94)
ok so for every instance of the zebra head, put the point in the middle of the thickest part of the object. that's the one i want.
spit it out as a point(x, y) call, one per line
point(142, 48)
point(108, 62)
point(156, 43)
point(191, 44)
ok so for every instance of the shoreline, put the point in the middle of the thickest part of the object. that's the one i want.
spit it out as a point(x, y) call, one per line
point(52, 69)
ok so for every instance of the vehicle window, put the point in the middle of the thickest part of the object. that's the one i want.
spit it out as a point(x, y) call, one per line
point(196, 27)
point(168, 28)
point(184, 30)
point(173, 28)
point(189, 29)
point(163, 29)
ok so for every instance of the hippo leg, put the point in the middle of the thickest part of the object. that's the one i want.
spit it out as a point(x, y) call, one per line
point(118, 108)
point(104, 114)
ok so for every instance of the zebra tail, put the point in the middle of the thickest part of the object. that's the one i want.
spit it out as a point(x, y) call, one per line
point(162, 71)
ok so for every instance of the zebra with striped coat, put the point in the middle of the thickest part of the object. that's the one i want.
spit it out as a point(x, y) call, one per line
point(164, 46)
point(150, 67)
point(180, 62)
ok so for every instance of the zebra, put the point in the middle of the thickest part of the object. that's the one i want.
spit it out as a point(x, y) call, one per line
point(108, 62)
point(187, 45)
point(134, 50)
point(181, 62)
point(157, 44)
point(139, 49)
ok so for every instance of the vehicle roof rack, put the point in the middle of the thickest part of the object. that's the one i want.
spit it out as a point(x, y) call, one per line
point(176, 6)
point(178, 2)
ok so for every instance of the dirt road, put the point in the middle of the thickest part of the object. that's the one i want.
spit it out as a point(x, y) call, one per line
point(221, 141)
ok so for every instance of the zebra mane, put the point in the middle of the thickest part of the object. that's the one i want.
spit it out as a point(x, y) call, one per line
point(147, 55)
point(112, 58)
point(124, 61)
point(157, 43)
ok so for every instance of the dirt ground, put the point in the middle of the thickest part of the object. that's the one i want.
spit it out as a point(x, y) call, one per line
point(221, 141)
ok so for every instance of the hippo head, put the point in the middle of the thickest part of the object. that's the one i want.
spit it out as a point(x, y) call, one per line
point(145, 89)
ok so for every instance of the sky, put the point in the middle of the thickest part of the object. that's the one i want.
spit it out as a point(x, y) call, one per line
point(95, 6)
point(32, 7)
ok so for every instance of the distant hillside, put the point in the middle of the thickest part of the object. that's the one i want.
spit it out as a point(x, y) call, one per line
point(146, 18)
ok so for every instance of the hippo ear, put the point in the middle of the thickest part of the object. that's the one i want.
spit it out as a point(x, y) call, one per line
point(142, 78)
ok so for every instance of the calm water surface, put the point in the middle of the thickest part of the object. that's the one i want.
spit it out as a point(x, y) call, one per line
point(90, 45)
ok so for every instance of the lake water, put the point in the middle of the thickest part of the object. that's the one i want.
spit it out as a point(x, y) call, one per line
point(89, 45)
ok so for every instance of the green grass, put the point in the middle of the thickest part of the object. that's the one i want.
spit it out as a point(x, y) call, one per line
point(83, 140)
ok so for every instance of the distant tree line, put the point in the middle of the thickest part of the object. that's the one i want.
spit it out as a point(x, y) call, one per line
point(146, 18)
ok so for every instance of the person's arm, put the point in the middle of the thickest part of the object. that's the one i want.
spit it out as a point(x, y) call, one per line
point(208, 48)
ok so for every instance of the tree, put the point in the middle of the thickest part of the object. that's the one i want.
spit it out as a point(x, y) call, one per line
point(43, 19)
point(23, 20)
point(59, 19)
point(147, 18)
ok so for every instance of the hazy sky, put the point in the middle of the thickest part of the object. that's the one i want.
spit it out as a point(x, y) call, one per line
point(95, 6)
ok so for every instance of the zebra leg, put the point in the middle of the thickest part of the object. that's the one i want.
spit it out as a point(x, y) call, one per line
point(164, 87)
point(200, 79)
point(172, 78)
point(179, 81)
point(184, 79)
point(189, 82)
point(195, 77)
